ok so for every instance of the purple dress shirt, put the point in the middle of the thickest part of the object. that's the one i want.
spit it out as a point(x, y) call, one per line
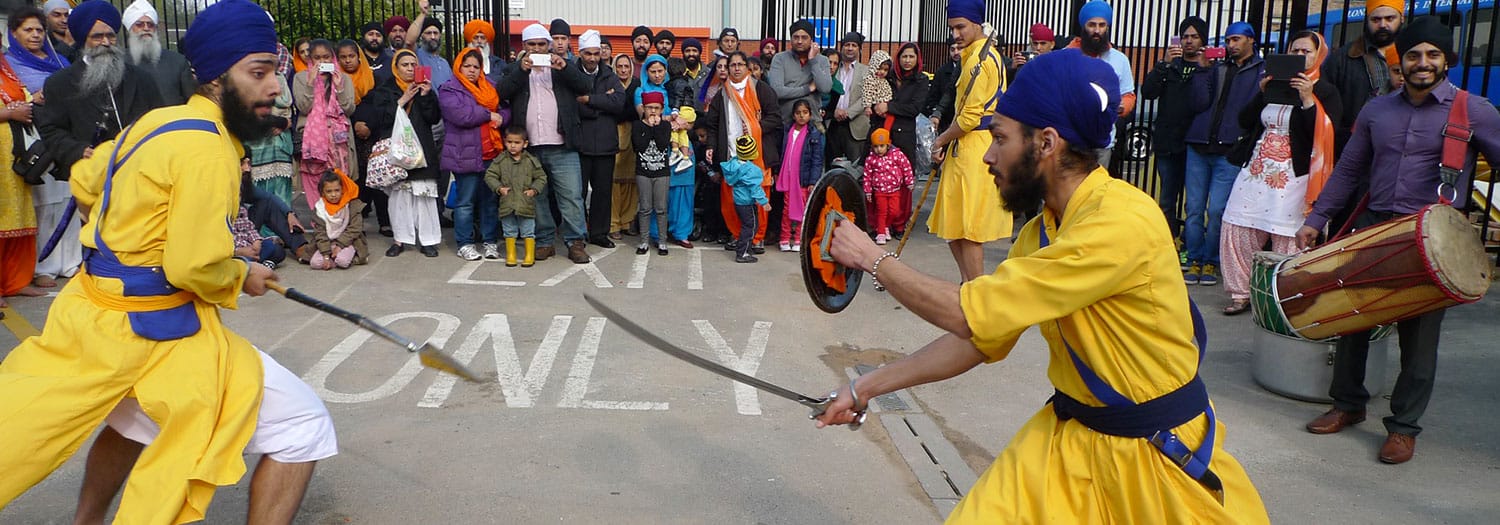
point(1397, 146)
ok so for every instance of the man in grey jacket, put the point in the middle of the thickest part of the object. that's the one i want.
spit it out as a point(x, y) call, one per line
point(169, 69)
point(851, 120)
point(801, 73)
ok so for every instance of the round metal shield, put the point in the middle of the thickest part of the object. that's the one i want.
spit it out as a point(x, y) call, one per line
point(837, 196)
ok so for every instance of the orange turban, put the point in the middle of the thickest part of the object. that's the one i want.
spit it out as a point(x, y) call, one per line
point(1371, 5)
point(479, 26)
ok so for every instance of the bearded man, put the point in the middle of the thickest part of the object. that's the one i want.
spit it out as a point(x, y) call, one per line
point(372, 44)
point(174, 79)
point(143, 320)
point(92, 99)
point(395, 31)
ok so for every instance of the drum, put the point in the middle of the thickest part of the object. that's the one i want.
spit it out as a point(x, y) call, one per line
point(1265, 304)
point(1395, 270)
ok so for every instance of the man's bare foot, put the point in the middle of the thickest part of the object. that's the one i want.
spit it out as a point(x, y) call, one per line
point(30, 291)
point(42, 281)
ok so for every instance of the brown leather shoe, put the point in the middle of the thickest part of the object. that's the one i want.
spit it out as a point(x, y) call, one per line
point(1398, 448)
point(577, 254)
point(545, 252)
point(1335, 420)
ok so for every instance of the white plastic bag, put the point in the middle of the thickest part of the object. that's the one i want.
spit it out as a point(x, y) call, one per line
point(406, 150)
point(926, 135)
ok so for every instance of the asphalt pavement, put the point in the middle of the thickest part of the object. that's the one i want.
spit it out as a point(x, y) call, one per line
point(587, 424)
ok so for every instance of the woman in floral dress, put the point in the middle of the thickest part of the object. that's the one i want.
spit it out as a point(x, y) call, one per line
point(1290, 164)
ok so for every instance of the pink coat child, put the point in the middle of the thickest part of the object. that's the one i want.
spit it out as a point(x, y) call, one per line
point(887, 171)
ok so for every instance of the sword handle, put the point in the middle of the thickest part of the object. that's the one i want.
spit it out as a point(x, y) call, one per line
point(821, 405)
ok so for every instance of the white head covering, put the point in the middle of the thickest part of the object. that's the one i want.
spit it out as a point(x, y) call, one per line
point(138, 9)
point(588, 39)
point(535, 32)
point(53, 5)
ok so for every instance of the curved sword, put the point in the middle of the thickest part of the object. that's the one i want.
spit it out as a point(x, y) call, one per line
point(817, 404)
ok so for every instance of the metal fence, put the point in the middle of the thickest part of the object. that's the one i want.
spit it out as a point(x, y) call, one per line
point(1142, 31)
point(340, 19)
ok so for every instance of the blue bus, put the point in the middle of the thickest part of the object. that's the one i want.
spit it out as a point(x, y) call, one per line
point(1473, 36)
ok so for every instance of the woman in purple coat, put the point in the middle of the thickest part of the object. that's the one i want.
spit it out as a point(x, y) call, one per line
point(472, 118)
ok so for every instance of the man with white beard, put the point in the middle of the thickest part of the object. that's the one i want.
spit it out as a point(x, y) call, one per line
point(91, 100)
point(174, 79)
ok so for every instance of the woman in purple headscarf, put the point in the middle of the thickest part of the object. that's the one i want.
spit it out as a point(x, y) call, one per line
point(31, 53)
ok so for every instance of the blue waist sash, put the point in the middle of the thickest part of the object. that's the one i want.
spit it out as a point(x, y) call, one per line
point(143, 281)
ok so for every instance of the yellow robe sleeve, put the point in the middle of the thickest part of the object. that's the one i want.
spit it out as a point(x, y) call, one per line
point(198, 255)
point(86, 178)
point(985, 94)
point(1094, 260)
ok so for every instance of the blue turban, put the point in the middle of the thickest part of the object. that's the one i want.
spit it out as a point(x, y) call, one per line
point(1068, 91)
point(973, 10)
point(81, 20)
point(225, 33)
point(1095, 9)
point(1240, 28)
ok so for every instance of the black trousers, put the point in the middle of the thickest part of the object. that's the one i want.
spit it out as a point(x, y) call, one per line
point(843, 143)
point(267, 211)
point(747, 227)
point(598, 177)
point(1419, 342)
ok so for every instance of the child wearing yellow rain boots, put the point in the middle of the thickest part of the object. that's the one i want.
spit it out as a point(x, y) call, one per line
point(517, 177)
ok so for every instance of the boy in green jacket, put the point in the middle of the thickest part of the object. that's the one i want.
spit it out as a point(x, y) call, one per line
point(517, 177)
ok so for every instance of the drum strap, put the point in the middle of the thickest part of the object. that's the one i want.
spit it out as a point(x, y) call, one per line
point(1456, 137)
point(1153, 419)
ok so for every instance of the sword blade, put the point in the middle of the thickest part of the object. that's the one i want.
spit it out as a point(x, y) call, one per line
point(663, 345)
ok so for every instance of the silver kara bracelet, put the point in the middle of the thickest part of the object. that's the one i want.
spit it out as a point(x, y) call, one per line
point(875, 269)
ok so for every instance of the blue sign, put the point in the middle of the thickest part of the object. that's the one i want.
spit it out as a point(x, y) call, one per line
point(825, 31)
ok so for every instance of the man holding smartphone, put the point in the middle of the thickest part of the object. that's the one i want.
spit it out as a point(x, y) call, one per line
point(1217, 94)
point(1168, 83)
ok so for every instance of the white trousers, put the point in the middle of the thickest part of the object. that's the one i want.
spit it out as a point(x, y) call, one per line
point(414, 218)
point(68, 255)
point(293, 425)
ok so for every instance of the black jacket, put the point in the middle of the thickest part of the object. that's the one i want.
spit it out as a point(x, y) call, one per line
point(1345, 69)
point(1303, 123)
point(599, 119)
point(910, 96)
point(567, 84)
point(72, 121)
point(378, 111)
point(770, 126)
point(941, 94)
point(1168, 83)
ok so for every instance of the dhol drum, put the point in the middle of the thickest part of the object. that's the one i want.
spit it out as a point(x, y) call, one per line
point(1265, 306)
point(1289, 365)
point(1381, 274)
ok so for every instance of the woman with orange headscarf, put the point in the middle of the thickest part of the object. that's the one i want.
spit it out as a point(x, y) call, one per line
point(472, 118)
point(1290, 163)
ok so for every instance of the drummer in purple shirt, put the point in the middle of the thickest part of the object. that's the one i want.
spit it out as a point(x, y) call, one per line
point(1397, 144)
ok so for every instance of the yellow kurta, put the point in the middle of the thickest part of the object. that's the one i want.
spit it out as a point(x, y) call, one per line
point(171, 205)
point(1110, 281)
point(968, 204)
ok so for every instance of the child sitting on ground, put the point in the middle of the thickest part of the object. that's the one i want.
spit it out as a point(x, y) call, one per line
point(249, 244)
point(517, 177)
point(745, 177)
point(800, 170)
point(338, 231)
point(886, 172)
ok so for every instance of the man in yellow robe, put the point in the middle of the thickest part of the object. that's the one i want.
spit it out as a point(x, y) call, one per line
point(1097, 271)
point(142, 320)
point(967, 211)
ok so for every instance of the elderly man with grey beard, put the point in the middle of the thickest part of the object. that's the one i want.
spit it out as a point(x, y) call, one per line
point(91, 100)
point(174, 79)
